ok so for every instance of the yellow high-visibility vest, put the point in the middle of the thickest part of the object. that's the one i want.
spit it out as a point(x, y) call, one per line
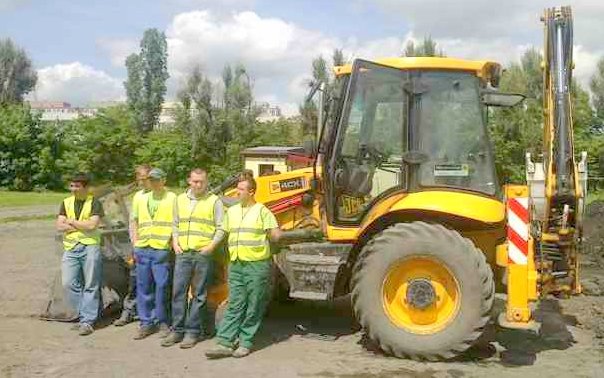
point(196, 227)
point(136, 199)
point(155, 232)
point(247, 237)
point(86, 237)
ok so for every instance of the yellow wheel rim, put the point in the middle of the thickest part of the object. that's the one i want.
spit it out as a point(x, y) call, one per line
point(404, 277)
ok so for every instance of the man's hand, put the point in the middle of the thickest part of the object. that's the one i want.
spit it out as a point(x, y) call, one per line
point(207, 250)
point(63, 224)
point(177, 248)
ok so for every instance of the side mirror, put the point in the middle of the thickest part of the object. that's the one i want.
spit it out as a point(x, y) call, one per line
point(501, 99)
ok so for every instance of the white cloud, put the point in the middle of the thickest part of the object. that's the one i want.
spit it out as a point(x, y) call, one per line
point(118, 49)
point(76, 83)
point(6, 5)
point(221, 6)
point(275, 53)
point(278, 54)
point(482, 29)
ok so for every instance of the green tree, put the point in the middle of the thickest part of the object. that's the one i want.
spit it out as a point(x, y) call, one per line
point(428, 47)
point(134, 89)
point(103, 145)
point(597, 89)
point(519, 130)
point(322, 72)
point(17, 76)
point(18, 147)
point(146, 83)
point(168, 150)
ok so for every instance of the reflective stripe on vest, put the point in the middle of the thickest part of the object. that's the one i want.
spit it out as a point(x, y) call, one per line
point(247, 237)
point(90, 237)
point(155, 232)
point(196, 227)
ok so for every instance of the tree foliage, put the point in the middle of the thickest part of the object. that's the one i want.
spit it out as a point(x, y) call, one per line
point(146, 83)
point(427, 47)
point(519, 130)
point(103, 145)
point(322, 72)
point(17, 75)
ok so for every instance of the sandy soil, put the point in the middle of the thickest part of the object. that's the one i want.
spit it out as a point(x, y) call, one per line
point(566, 347)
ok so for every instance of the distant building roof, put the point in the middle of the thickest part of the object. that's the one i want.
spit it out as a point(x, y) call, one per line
point(49, 105)
point(278, 151)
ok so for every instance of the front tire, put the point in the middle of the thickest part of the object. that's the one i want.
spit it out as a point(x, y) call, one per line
point(422, 291)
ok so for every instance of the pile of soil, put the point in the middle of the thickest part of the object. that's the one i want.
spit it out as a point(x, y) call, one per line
point(592, 259)
point(593, 232)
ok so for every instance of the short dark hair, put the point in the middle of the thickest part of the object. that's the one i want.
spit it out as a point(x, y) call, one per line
point(251, 183)
point(82, 178)
point(198, 171)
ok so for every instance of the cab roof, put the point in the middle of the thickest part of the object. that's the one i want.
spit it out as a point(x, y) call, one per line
point(482, 68)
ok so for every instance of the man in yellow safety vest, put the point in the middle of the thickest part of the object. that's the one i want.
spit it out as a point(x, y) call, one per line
point(151, 238)
point(129, 304)
point(197, 231)
point(81, 268)
point(250, 226)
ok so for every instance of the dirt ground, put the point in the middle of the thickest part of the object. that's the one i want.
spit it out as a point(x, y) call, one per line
point(568, 345)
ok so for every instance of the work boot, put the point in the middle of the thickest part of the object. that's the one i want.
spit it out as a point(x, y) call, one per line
point(241, 352)
point(189, 341)
point(164, 331)
point(144, 331)
point(124, 319)
point(173, 338)
point(75, 327)
point(85, 329)
point(220, 351)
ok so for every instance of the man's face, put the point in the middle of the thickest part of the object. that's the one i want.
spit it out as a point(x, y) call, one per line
point(198, 182)
point(157, 184)
point(142, 179)
point(243, 191)
point(78, 189)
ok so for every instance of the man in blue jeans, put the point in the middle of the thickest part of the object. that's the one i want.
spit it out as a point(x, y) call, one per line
point(151, 237)
point(129, 304)
point(81, 268)
point(196, 233)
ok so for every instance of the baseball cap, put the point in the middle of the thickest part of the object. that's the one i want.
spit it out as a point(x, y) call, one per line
point(157, 174)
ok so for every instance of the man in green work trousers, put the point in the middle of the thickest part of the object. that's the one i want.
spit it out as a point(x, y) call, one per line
point(250, 226)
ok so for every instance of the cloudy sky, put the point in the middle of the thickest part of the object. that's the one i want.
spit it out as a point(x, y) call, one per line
point(79, 47)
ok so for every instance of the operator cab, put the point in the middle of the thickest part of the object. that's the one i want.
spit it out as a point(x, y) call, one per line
point(407, 124)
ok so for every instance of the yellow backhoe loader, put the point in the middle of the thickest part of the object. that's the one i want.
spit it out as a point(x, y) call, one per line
point(402, 209)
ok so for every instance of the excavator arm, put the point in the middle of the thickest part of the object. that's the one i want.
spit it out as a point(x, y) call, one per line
point(545, 217)
point(558, 235)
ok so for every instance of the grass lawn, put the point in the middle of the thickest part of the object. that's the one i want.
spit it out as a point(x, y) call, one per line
point(15, 199)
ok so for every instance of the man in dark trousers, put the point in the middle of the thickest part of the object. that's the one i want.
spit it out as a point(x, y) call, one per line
point(197, 231)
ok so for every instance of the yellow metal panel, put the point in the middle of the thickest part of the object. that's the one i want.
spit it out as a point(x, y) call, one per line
point(267, 185)
point(481, 68)
point(341, 234)
point(515, 191)
point(517, 309)
point(502, 255)
point(466, 205)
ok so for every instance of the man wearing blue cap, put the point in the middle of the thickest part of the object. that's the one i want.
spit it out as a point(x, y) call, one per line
point(151, 237)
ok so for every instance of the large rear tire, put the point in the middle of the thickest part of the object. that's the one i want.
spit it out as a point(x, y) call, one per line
point(422, 291)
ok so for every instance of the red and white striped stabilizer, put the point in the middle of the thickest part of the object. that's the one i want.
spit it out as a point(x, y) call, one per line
point(518, 230)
